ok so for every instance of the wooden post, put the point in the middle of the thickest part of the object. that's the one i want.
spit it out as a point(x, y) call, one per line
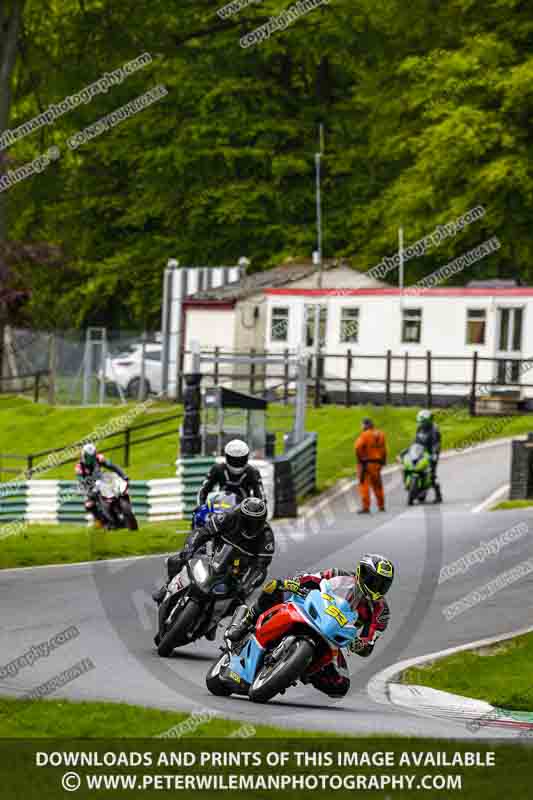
point(52, 369)
point(215, 366)
point(286, 376)
point(474, 385)
point(348, 396)
point(252, 370)
point(36, 387)
point(429, 401)
point(127, 445)
point(388, 378)
point(405, 375)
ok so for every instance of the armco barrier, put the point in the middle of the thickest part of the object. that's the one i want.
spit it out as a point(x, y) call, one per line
point(295, 475)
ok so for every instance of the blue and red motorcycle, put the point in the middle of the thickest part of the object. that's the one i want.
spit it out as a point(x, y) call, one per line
point(291, 642)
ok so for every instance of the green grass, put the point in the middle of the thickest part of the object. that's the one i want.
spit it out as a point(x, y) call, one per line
point(67, 544)
point(502, 674)
point(506, 505)
point(338, 427)
point(27, 427)
point(50, 718)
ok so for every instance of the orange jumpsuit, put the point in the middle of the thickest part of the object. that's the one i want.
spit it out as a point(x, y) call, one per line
point(371, 452)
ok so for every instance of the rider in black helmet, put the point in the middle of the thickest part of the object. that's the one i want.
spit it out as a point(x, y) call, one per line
point(246, 528)
point(364, 590)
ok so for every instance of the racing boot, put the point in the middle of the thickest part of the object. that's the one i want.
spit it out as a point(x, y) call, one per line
point(438, 493)
point(159, 595)
point(243, 621)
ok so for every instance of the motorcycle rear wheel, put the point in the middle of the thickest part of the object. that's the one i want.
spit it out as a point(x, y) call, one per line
point(129, 517)
point(177, 635)
point(272, 680)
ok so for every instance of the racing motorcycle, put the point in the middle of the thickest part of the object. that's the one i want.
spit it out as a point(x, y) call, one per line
point(291, 641)
point(416, 473)
point(217, 503)
point(197, 598)
point(113, 495)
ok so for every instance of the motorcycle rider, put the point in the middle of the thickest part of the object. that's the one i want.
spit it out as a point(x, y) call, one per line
point(234, 476)
point(246, 528)
point(365, 591)
point(89, 471)
point(428, 435)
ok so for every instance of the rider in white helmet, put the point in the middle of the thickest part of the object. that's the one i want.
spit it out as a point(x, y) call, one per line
point(235, 475)
point(88, 471)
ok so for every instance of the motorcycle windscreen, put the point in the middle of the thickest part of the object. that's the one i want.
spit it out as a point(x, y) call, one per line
point(330, 611)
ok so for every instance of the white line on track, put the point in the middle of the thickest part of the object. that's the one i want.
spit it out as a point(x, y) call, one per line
point(491, 499)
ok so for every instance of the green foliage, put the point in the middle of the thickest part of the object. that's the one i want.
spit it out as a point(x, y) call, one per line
point(426, 110)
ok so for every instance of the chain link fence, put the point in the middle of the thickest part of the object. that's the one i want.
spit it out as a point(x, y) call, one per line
point(92, 367)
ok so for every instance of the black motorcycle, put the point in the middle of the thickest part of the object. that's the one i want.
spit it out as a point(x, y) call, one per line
point(208, 588)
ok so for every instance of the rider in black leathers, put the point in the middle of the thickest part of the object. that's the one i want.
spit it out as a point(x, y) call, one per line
point(428, 435)
point(246, 529)
point(234, 476)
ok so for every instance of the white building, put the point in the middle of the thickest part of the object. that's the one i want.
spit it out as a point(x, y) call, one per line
point(442, 327)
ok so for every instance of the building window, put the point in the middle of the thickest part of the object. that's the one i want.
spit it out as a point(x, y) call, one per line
point(412, 326)
point(349, 325)
point(310, 324)
point(279, 326)
point(475, 326)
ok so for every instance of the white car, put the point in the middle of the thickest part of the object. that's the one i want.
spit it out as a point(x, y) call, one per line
point(124, 369)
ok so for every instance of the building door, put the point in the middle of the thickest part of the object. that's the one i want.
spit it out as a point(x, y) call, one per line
point(509, 344)
point(316, 318)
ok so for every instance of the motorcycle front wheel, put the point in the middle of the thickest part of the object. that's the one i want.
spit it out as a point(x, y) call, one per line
point(278, 676)
point(212, 680)
point(177, 634)
point(413, 491)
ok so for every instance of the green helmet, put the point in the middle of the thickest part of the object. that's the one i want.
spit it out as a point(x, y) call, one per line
point(424, 418)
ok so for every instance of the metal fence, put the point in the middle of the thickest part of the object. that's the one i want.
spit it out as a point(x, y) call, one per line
point(359, 378)
point(91, 367)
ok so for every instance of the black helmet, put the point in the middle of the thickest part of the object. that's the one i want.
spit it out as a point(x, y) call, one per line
point(237, 453)
point(253, 516)
point(374, 575)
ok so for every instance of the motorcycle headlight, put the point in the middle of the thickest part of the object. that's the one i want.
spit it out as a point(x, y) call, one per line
point(200, 573)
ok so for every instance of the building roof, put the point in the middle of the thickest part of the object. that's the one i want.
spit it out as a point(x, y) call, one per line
point(451, 291)
point(302, 273)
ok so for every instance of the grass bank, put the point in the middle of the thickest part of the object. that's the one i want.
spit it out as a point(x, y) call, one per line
point(501, 674)
point(68, 544)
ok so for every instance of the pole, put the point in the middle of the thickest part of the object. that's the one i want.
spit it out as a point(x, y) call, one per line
point(318, 190)
point(301, 397)
point(52, 369)
point(142, 380)
point(103, 351)
point(400, 251)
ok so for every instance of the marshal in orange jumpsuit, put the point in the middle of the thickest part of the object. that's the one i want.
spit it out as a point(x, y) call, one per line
point(371, 452)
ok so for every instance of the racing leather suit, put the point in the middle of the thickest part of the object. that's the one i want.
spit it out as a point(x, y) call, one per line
point(247, 484)
point(87, 477)
point(226, 528)
point(373, 619)
point(430, 439)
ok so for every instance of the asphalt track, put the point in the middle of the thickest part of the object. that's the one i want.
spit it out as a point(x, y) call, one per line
point(110, 604)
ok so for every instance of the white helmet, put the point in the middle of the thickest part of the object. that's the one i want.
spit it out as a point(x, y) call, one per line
point(88, 455)
point(236, 453)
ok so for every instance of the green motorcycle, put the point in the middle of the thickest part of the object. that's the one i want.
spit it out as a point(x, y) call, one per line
point(416, 473)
